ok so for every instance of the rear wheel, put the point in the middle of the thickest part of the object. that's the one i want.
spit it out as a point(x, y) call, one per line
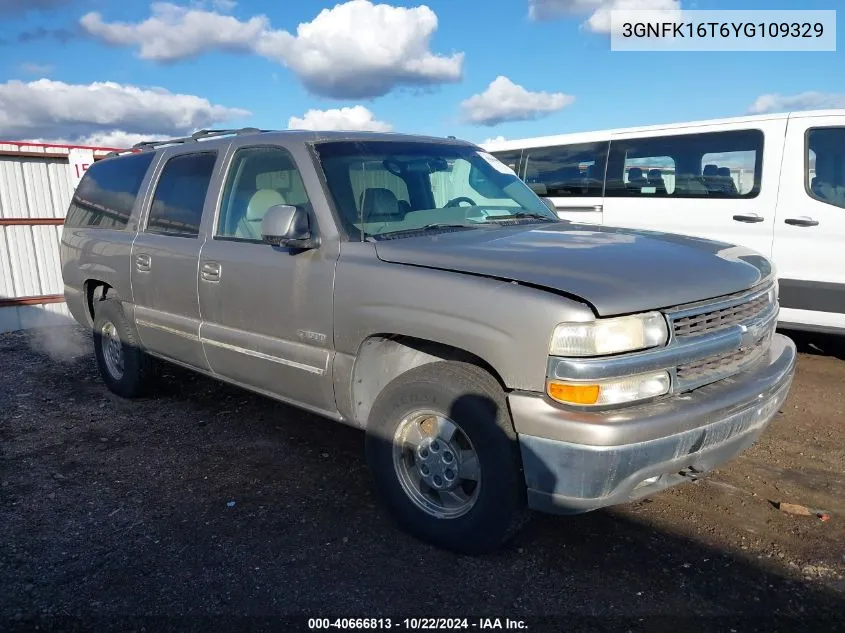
point(123, 365)
point(445, 458)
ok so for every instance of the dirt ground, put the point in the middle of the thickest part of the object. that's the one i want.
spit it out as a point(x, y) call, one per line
point(209, 502)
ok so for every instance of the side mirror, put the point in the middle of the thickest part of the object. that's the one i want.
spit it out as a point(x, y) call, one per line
point(548, 202)
point(288, 226)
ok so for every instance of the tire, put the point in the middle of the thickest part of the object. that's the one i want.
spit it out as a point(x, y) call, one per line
point(135, 373)
point(474, 402)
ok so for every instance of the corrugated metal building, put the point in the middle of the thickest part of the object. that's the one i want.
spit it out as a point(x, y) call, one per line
point(36, 184)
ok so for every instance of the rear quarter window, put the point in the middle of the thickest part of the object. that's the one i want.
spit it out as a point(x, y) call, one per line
point(106, 194)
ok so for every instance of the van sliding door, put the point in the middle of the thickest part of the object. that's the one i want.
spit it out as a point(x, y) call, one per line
point(713, 181)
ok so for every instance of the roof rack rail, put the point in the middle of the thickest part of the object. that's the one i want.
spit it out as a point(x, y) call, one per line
point(210, 133)
point(197, 136)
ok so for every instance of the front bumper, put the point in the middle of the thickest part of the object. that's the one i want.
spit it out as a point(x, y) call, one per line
point(576, 461)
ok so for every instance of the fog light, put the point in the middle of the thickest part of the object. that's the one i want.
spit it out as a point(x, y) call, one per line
point(609, 392)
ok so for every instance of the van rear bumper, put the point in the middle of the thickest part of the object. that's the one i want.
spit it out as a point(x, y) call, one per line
point(580, 461)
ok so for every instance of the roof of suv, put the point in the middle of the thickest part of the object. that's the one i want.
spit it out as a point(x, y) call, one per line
point(216, 137)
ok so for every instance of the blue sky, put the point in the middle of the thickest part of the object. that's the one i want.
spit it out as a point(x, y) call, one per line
point(219, 63)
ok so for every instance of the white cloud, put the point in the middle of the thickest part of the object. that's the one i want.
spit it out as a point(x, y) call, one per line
point(503, 100)
point(174, 32)
point(802, 101)
point(356, 49)
point(495, 139)
point(599, 10)
point(54, 109)
point(119, 138)
point(114, 139)
point(354, 118)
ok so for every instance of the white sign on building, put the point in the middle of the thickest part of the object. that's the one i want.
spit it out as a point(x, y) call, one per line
point(80, 160)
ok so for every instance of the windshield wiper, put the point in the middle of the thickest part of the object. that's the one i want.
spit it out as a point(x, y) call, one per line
point(446, 225)
point(521, 215)
point(434, 226)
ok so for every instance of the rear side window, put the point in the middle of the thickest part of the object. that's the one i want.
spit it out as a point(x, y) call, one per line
point(825, 165)
point(180, 195)
point(708, 165)
point(106, 194)
point(567, 170)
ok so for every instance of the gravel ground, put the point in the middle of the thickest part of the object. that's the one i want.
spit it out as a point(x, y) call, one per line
point(208, 507)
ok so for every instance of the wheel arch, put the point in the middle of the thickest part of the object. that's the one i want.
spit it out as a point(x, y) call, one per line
point(383, 357)
point(94, 290)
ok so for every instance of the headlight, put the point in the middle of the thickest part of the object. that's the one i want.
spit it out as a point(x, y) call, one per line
point(610, 336)
point(609, 392)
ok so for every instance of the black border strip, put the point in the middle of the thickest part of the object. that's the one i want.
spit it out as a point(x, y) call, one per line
point(821, 296)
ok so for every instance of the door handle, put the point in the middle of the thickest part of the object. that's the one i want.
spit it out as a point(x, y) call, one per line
point(751, 218)
point(210, 271)
point(143, 262)
point(803, 221)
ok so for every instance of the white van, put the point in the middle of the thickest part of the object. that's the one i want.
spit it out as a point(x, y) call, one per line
point(774, 183)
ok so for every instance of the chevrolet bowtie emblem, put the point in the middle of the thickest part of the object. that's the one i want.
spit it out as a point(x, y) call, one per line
point(747, 338)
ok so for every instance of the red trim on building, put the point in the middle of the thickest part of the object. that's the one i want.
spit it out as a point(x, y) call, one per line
point(31, 301)
point(31, 221)
point(93, 147)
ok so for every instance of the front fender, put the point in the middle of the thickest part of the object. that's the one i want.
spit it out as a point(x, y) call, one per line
point(507, 325)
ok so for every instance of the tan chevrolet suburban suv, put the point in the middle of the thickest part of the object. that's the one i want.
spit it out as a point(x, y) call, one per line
point(498, 358)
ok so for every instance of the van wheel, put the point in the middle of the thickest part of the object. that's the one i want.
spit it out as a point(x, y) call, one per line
point(445, 457)
point(124, 367)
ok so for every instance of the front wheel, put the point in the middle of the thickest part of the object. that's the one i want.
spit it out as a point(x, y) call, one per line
point(445, 457)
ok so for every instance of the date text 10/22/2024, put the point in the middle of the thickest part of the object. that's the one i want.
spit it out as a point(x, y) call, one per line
point(417, 624)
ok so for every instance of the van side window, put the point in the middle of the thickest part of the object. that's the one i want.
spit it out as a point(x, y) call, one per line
point(653, 175)
point(825, 165)
point(566, 171)
point(259, 178)
point(106, 194)
point(180, 195)
point(708, 165)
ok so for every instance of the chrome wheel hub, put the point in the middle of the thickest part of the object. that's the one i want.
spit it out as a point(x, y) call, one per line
point(112, 350)
point(436, 464)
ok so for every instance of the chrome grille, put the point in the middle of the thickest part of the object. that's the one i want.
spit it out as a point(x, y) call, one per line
point(721, 365)
point(715, 320)
point(743, 315)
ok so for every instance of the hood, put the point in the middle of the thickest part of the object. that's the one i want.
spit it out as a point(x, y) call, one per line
point(617, 271)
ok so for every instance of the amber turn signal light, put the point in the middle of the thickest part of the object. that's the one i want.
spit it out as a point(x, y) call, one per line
point(574, 394)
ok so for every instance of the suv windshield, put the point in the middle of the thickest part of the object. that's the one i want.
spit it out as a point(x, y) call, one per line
point(385, 188)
